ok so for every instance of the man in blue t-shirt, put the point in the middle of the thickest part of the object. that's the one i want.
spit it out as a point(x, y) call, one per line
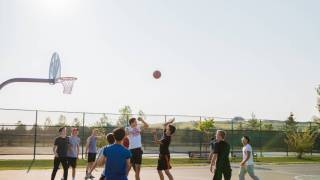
point(116, 158)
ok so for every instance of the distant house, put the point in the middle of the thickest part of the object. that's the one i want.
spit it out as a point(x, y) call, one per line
point(238, 119)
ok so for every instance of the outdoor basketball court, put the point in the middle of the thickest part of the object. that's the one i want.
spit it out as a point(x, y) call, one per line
point(265, 172)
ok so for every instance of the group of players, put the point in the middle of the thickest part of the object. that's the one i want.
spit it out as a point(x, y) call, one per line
point(123, 152)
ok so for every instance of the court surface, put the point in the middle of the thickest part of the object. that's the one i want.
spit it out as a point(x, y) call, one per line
point(267, 172)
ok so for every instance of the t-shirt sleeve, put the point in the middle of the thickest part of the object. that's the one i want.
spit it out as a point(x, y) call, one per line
point(216, 148)
point(128, 154)
point(248, 149)
point(56, 142)
point(105, 152)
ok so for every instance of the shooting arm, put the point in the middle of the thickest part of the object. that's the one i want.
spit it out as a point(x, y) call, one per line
point(145, 124)
point(169, 122)
point(155, 138)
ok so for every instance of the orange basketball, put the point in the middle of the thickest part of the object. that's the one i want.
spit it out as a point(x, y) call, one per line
point(156, 74)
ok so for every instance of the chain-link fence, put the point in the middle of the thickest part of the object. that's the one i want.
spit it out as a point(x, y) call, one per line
point(31, 132)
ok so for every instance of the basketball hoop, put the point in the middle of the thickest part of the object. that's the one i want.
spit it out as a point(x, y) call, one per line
point(67, 83)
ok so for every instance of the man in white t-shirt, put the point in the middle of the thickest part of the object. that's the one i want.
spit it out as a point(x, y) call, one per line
point(135, 145)
point(247, 165)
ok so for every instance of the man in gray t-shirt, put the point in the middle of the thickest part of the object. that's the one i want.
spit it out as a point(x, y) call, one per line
point(91, 150)
point(73, 151)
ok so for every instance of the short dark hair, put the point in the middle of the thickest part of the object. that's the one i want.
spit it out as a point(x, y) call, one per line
point(222, 133)
point(247, 138)
point(119, 134)
point(110, 138)
point(172, 129)
point(60, 129)
point(132, 120)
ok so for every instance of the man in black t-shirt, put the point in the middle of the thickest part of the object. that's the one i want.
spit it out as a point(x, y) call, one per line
point(60, 149)
point(220, 164)
point(164, 155)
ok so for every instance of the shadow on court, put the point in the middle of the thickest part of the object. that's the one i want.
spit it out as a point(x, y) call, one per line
point(265, 172)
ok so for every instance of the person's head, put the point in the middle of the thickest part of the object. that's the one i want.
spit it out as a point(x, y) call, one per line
point(133, 122)
point(245, 140)
point(63, 131)
point(110, 138)
point(94, 132)
point(75, 132)
point(170, 130)
point(119, 134)
point(220, 135)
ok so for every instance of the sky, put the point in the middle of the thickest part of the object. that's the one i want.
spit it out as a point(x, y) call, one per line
point(217, 58)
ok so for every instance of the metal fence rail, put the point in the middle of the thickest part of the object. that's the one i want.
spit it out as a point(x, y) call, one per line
point(31, 132)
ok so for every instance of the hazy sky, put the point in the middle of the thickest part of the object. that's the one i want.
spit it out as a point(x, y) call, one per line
point(221, 58)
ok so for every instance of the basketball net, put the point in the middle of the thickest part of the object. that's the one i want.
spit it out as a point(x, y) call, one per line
point(67, 83)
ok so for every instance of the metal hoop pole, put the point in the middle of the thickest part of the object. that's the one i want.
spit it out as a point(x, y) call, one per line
point(34, 80)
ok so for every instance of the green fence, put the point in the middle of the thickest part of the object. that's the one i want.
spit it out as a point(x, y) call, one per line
point(31, 132)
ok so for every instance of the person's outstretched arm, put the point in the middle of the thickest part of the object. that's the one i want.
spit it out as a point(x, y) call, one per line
point(155, 138)
point(145, 124)
point(169, 122)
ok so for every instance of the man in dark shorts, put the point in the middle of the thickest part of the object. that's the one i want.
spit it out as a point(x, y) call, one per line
point(60, 149)
point(135, 145)
point(91, 151)
point(73, 152)
point(220, 164)
point(164, 155)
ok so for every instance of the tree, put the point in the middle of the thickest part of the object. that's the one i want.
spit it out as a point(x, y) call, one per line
point(47, 122)
point(205, 126)
point(268, 127)
point(291, 124)
point(240, 126)
point(253, 123)
point(20, 128)
point(301, 142)
point(62, 120)
point(76, 122)
point(103, 122)
point(125, 115)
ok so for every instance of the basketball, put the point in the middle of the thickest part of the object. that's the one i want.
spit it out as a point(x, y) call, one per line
point(156, 74)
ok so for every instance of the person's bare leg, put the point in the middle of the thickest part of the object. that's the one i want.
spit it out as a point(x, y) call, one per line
point(160, 175)
point(89, 166)
point(137, 170)
point(168, 174)
point(73, 172)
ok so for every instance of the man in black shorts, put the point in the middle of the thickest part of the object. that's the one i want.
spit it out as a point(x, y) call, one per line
point(135, 145)
point(60, 150)
point(220, 164)
point(164, 155)
point(73, 152)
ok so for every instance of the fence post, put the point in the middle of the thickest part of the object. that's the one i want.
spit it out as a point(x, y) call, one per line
point(35, 136)
point(310, 124)
point(232, 137)
point(83, 140)
point(201, 136)
point(260, 140)
point(286, 138)
point(127, 120)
